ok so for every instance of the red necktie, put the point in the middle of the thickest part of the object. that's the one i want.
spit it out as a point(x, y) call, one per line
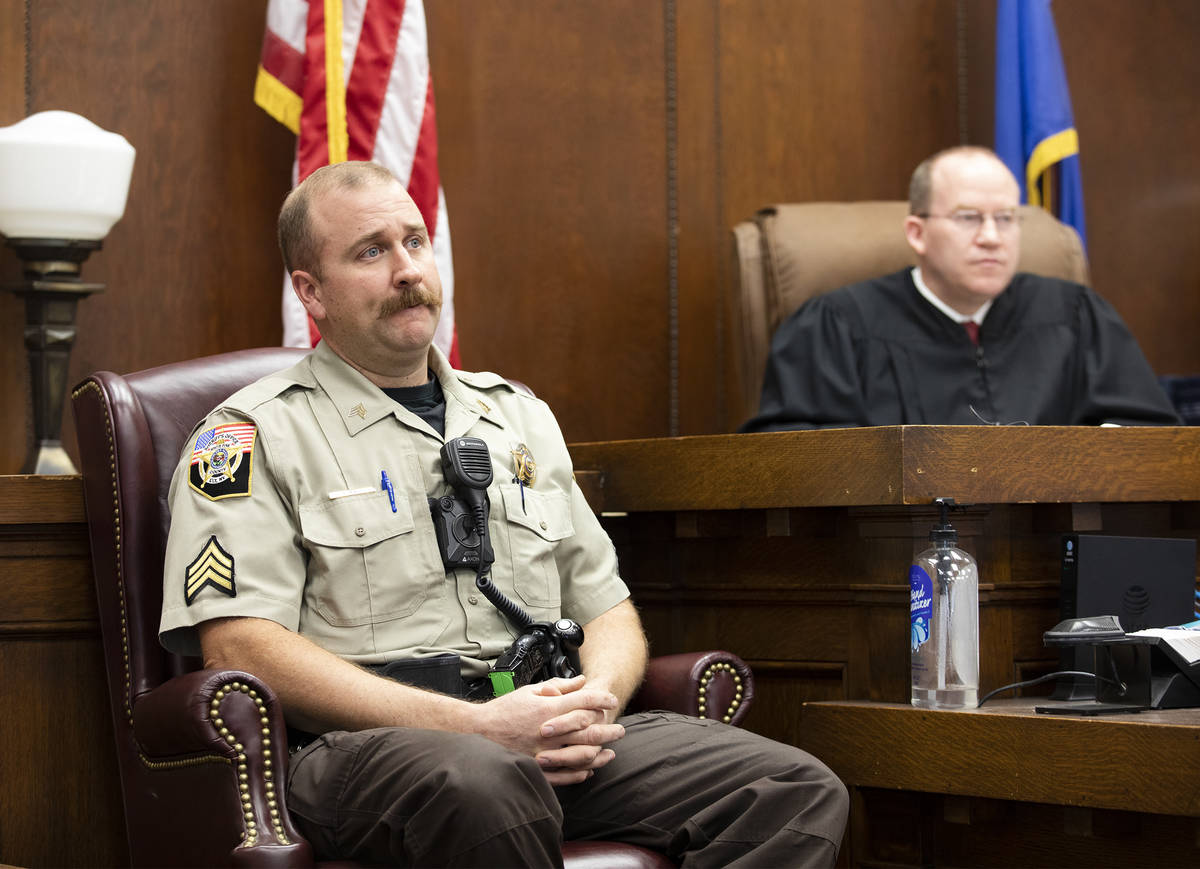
point(972, 331)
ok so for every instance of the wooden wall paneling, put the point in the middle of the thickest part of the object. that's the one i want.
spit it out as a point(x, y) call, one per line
point(781, 687)
point(551, 140)
point(824, 608)
point(12, 61)
point(883, 668)
point(698, 182)
point(1133, 73)
point(861, 638)
point(60, 804)
point(904, 828)
point(1063, 836)
point(832, 101)
point(886, 828)
point(61, 801)
point(192, 268)
point(979, 22)
point(996, 651)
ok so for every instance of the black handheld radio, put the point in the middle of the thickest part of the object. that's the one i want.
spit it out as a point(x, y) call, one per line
point(543, 650)
point(461, 521)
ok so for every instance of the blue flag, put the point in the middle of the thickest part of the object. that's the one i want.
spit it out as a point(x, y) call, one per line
point(1035, 130)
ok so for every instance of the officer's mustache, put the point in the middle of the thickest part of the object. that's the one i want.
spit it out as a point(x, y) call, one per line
point(410, 296)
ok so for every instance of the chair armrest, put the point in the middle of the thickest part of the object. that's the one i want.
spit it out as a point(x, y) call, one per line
point(713, 684)
point(215, 718)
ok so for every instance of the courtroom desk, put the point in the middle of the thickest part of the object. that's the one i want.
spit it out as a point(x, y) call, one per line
point(60, 804)
point(1005, 786)
point(792, 548)
point(894, 465)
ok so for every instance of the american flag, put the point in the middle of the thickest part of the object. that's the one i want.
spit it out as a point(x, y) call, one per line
point(243, 432)
point(351, 78)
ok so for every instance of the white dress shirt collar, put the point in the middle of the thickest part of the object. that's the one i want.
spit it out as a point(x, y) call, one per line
point(954, 315)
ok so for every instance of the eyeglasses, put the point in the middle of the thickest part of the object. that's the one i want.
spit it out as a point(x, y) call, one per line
point(972, 221)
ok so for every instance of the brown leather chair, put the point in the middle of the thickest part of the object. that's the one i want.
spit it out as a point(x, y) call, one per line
point(203, 753)
point(786, 254)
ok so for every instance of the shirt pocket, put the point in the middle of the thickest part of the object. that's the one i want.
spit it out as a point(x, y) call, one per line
point(364, 560)
point(537, 521)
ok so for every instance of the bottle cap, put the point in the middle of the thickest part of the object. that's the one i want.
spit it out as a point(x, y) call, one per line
point(943, 532)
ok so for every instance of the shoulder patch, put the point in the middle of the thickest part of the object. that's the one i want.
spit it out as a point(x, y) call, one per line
point(223, 461)
point(212, 567)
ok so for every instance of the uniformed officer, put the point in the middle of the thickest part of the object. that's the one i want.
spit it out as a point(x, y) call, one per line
point(302, 549)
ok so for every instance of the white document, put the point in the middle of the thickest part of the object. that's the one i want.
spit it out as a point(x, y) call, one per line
point(1183, 641)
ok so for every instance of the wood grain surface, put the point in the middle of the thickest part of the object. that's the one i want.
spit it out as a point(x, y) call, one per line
point(897, 465)
point(61, 802)
point(35, 500)
point(1005, 750)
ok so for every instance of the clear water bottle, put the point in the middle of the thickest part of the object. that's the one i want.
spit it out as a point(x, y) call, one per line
point(944, 617)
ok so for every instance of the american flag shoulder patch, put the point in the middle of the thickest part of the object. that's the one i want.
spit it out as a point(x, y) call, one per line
point(223, 461)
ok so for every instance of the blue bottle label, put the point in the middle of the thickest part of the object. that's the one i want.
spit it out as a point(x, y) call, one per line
point(920, 609)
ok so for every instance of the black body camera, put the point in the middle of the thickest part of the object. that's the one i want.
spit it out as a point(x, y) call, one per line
point(458, 536)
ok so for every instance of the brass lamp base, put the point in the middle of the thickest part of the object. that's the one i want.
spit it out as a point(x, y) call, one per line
point(52, 291)
point(50, 458)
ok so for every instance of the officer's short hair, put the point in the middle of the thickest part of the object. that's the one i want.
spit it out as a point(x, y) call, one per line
point(920, 188)
point(297, 241)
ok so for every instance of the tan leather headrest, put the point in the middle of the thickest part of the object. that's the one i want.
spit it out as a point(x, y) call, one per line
point(814, 247)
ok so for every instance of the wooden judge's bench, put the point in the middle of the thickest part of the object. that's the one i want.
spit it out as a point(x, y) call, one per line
point(791, 549)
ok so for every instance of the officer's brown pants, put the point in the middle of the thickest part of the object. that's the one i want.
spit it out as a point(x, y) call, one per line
point(703, 793)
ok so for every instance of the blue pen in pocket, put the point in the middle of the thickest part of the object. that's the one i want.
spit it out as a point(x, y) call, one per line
point(386, 485)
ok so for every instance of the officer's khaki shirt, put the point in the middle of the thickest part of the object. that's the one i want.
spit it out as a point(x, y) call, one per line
point(315, 545)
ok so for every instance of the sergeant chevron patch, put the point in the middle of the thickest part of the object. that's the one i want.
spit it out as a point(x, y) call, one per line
point(213, 566)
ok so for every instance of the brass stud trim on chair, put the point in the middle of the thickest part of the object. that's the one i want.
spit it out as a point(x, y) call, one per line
point(702, 692)
point(126, 698)
point(250, 837)
point(177, 764)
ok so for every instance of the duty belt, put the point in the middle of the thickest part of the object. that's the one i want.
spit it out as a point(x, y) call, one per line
point(440, 673)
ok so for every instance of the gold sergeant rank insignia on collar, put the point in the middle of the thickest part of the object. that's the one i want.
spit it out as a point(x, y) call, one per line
point(525, 466)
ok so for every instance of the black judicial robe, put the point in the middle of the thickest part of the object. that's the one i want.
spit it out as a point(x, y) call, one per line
point(1051, 352)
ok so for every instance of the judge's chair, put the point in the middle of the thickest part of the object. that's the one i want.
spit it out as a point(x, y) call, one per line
point(203, 753)
point(786, 254)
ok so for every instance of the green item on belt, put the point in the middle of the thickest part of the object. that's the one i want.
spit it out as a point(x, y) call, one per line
point(502, 682)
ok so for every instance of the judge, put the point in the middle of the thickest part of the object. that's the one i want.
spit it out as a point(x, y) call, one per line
point(961, 338)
